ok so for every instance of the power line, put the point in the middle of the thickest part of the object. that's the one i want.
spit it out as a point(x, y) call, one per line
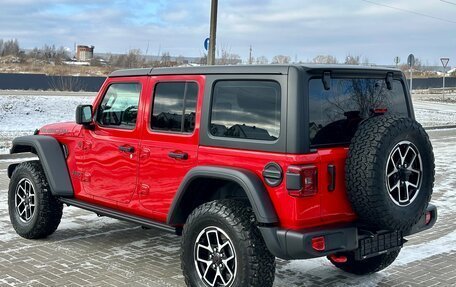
point(411, 11)
point(452, 3)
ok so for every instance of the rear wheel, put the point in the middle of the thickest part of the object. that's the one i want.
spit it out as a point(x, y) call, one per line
point(366, 266)
point(390, 173)
point(34, 211)
point(221, 246)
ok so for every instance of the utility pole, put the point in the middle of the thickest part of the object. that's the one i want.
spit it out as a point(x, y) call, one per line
point(411, 63)
point(213, 32)
point(250, 56)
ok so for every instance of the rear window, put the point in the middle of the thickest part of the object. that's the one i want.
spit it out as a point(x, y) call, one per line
point(334, 114)
point(246, 110)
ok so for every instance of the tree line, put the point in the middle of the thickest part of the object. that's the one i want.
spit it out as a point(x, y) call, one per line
point(135, 58)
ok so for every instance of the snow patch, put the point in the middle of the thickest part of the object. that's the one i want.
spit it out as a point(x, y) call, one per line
point(409, 254)
point(13, 160)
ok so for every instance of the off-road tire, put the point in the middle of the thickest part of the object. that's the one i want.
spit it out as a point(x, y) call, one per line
point(366, 173)
point(48, 210)
point(255, 264)
point(366, 266)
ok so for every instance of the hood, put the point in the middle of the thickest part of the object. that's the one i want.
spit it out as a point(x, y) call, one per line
point(65, 128)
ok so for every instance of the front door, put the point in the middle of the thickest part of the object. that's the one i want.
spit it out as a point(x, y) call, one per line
point(169, 143)
point(111, 147)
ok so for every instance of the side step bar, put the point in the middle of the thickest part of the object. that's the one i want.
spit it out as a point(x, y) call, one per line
point(119, 215)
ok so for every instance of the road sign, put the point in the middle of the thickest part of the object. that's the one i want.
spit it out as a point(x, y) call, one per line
point(411, 60)
point(444, 61)
point(444, 64)
point(206, 44)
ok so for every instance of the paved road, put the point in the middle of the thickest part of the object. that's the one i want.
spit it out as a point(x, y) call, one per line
point(91, 251)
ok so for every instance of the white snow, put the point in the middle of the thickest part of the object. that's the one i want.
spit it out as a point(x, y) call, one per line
point(445, 244)
point(13, 160)
point(22, 114)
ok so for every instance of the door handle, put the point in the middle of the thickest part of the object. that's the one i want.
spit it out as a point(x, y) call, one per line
point(127, 148)
point(178, 155)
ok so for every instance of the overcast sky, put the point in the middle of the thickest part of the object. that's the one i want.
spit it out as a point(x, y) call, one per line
point(301, 29)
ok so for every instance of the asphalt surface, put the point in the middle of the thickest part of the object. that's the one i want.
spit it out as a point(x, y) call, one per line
point(90, 251)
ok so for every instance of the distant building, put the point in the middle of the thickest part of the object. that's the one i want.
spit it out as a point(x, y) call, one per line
point(84, 53)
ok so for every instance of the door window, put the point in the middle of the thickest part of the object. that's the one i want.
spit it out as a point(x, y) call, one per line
point(174, 107)
point(119, 107)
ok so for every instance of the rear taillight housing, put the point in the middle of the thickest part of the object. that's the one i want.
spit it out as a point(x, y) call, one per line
point(302, 180)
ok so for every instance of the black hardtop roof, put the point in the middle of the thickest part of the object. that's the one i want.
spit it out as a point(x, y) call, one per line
point(245, 69)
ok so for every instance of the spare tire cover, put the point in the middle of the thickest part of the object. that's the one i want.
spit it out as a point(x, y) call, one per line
point(390, 172)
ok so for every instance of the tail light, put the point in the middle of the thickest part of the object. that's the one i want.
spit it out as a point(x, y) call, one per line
point(318, 243)
point(428, 217)
point(338, 258)
point(302, 180)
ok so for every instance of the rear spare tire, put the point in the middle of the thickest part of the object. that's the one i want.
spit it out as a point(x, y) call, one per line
point(390, 172)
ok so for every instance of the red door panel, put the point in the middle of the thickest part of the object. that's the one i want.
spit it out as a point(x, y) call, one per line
point(166, 156)
point(335, 205)
point(111, 151)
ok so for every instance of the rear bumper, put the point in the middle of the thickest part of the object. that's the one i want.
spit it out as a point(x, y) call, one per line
point(297, 244)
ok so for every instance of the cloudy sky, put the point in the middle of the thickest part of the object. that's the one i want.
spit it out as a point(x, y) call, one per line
point(301, 29)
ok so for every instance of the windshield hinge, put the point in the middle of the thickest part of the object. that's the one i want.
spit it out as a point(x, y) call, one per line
point(389, 81)
point(326, 80)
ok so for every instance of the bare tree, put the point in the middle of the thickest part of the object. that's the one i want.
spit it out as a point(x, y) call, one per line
point(10, 47)
point(203, 59)
point(262, 60)
point(324, 59)
point(133, 59)
point(180, 60)
point(228, 58)
point(165, 59)
point(281, 59)
point(352, 60)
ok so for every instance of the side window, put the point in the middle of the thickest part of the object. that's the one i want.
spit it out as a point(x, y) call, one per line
point(246, 109)
point(174, 107)
point(119, 107)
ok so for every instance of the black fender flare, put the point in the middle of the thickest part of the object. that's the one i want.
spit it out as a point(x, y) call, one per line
point(253, 186)
point(52, 159)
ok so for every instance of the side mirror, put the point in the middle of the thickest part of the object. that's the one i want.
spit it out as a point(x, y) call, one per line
point(84, 115)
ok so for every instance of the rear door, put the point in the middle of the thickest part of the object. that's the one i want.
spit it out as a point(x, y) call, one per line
point(169, 142)
point(334, 116)
point(111, 147)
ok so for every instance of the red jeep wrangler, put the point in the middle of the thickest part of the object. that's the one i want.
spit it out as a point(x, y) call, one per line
point(247, 163)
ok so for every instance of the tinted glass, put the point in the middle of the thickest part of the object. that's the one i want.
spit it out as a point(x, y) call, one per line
point(246, 109)
point(335, 113)
point(171, 101)
point(119, 107)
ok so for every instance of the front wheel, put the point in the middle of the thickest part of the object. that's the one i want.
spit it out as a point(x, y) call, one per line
point(34, 211)
point(221, 246)
point(366, 266)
